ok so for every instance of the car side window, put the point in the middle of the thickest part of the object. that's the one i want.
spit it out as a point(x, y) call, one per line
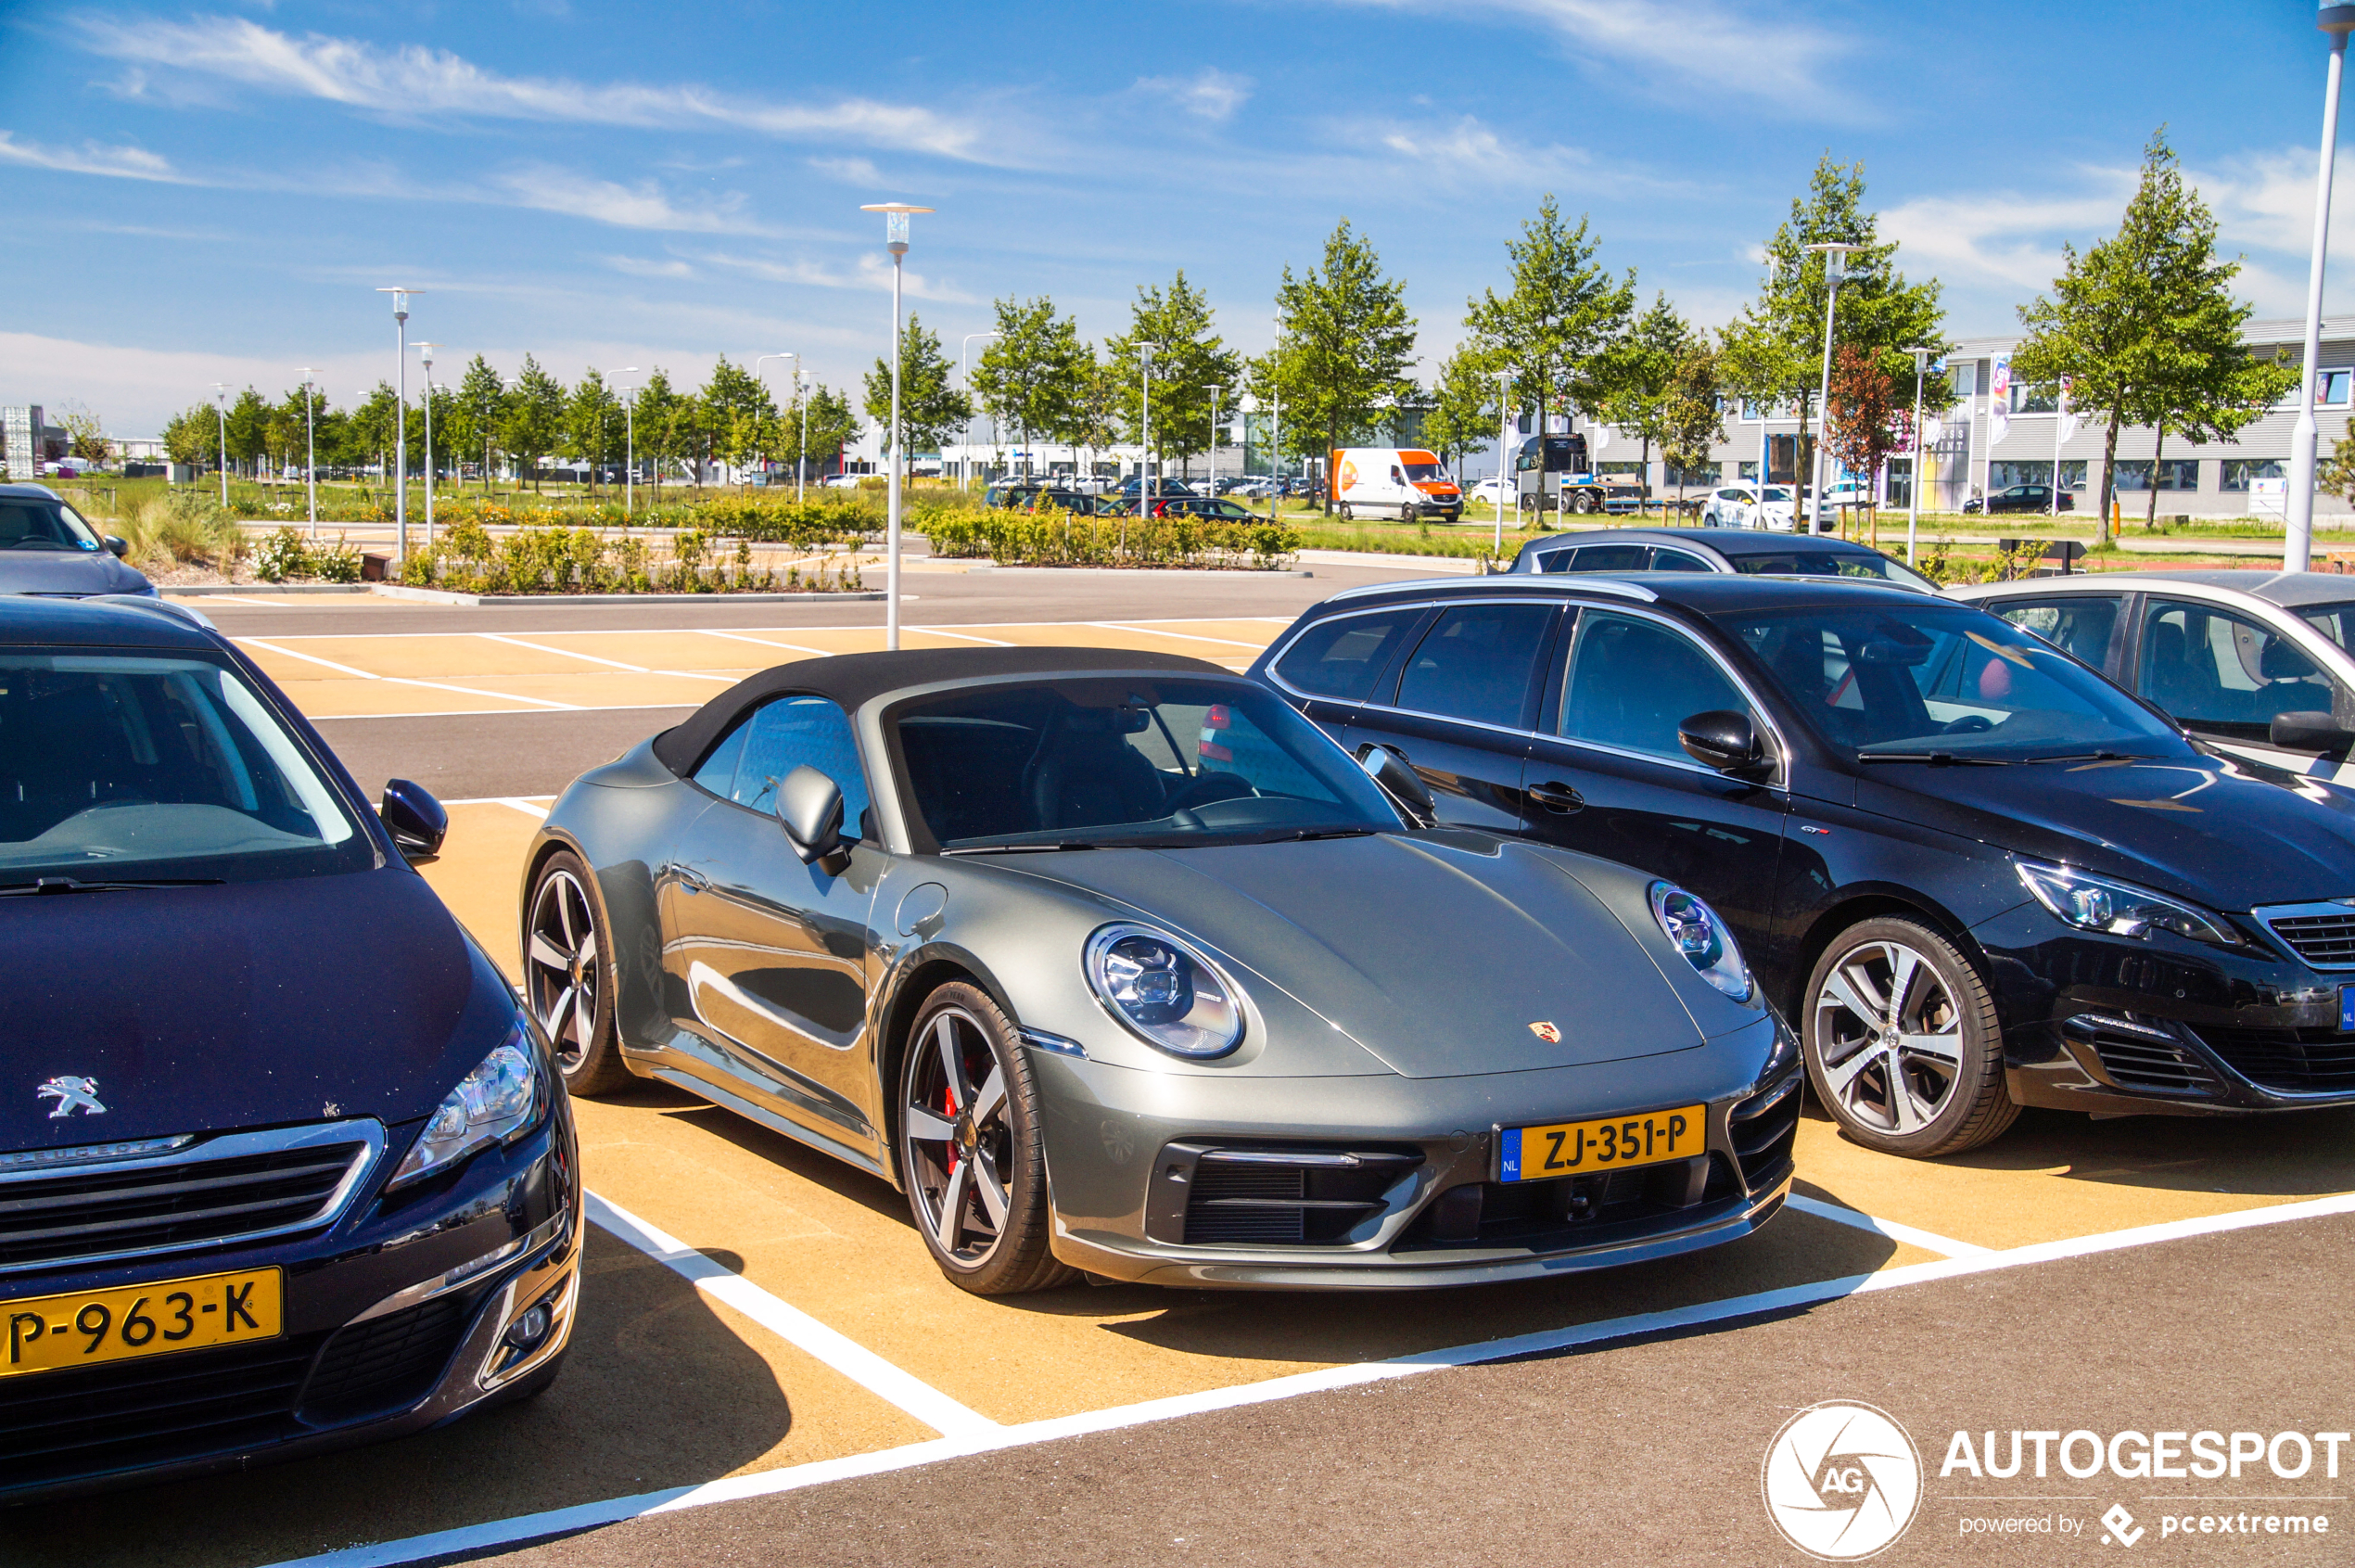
point(778, 736)
point(1475, 663)
point(2212, 669)
point(1342, 656)
point(1612, 558)
point(2079, 624)
point(1632, 681)
point(1677, 561)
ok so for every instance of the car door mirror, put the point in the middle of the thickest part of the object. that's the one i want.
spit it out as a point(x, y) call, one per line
point(2309, 732)
point(414, 818)
point(1726, 741)
point(1396, 778)
point(116, 546)
point(810, 808)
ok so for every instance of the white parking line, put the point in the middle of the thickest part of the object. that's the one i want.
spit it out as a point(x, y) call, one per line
point(844, 1354)
point(1926, 1240)
point(556, 1522)
point(406, 681)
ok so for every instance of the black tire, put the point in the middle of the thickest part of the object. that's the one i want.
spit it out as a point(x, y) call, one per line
point(1935, 1087)
point(1005, 1254)
point(1344, 512)
point(560, 915)
point(1584, 503)
point(1407, 513)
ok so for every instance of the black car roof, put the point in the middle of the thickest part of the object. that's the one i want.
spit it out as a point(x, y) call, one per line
point(853, 679)
point(98, 622)
point(1729, 543)
point(1701, 593)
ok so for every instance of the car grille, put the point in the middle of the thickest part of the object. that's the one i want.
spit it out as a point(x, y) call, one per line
point(1289, 1196)
point(132, 1414)
point(2323, 934)
point(237, 1188)
point(387, 1362)
point(2293, 1061)
point(2145, 1057)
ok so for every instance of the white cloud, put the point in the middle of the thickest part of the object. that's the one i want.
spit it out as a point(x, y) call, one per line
point(418, 83)
point(640, 266)
point(1210, 93)
point(642, 206)
point(122, 162)
point(1470, 152)
point(848, 170)
point(873, 273)
point(2004, 238)
point(1746, 52)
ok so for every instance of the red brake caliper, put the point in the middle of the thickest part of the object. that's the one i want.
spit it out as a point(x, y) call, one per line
point(948, 1093)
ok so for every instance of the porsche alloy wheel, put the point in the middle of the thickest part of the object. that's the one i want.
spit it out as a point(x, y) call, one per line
point(1903, 1042)
point(567, 970)
point(970, 1149)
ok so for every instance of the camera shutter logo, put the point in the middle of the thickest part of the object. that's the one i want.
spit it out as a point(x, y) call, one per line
point(1842, 1481)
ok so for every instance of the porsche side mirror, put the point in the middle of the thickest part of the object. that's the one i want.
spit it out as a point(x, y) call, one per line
point(116, 546)
point(2309, 732)
point(810, 808)
point(1725, 740)
point(1396, 778)
point(414, 819)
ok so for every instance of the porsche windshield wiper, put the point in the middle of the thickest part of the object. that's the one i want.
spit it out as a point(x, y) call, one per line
point(1017, 848)
point(75, 884)
point(1324, 832)
point(1937, 759)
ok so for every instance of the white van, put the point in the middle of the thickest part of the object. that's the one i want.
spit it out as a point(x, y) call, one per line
point(1399, 481)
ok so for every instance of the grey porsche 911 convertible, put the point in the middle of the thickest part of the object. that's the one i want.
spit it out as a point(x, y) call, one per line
point(1113, 963)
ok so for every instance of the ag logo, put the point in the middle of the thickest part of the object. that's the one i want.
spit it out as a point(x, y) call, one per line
point(1842, 1481)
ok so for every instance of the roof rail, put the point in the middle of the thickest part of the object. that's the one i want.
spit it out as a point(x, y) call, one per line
point(1521, 580)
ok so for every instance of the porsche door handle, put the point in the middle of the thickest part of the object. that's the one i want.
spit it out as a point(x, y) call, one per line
point(1556, 797)
point(689, 881)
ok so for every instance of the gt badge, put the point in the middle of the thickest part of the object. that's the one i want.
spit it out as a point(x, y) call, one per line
point(1547, 1032)
point(69, 1092)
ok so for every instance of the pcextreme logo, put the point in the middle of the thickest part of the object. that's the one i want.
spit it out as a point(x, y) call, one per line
point(1842, 1481)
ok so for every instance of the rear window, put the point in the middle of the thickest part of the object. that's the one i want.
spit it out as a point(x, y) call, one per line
point(1342, 656)
point(1476, 662)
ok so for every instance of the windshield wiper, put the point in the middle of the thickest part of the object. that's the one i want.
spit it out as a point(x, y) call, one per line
point(1016, 849)
point(1324, 832)
point(47, 884)
point(1936, 758)
point(2096, 757)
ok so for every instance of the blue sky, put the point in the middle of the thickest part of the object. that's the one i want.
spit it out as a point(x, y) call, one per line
point(211, 194)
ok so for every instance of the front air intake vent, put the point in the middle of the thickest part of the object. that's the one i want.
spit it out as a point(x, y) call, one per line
point(2147, 1058)
point(1287, 1196)
point(2290, 1060)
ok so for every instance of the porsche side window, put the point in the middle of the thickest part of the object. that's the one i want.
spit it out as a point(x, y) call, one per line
point(1342, 656)
point(1632, 681)
point(1475, 663)
point(792, 732)
point(2078, 624)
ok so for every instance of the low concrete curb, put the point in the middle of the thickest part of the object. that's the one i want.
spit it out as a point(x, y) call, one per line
point(1434, 564)
point(1133, 571)
point(169, 591)
point(485, 601)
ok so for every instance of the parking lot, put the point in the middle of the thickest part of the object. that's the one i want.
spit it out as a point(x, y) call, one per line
point(758, 1318)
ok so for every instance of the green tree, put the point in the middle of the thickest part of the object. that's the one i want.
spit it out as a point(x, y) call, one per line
point(2146, 327)
point(188, 436)
point(474, 427)
point(1343, 343)
point(832, 423)
point(531, 419)
point(729, 423)
point(1031, 376)
point(1693, 415)
point(666, 426)
point(1774, 350)
point(1465, 407)
point(369, 430)
point(249, 428)
point(85, 433)
point(931, 408)
point(592, 429)
point(1638, 373)
point(1095, 414)
point(1557, 327)
point(1190, 365)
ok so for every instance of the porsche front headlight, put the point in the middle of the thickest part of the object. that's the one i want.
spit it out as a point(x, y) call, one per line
point(1703, 938)
point(1171, 996)
point(2096, 903)
point(499, 1098)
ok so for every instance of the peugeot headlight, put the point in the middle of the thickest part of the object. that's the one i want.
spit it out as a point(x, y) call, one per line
point(500, 1097)
point(1701, 936)
point(2096, 903)
point(1166, 991)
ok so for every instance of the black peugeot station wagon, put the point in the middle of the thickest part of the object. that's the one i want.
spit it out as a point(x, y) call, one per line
point(1975, 874)
point(284, 1165)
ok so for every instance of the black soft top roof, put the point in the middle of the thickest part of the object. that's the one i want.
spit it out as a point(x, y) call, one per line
point(853, 679)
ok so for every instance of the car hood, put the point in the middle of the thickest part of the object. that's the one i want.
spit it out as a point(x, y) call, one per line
point(67, 571)
point(251, 1004)
point(1436, 955)
point(2220, 831)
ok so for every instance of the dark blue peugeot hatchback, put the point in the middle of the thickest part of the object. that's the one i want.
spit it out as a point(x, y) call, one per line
point(284, 1165)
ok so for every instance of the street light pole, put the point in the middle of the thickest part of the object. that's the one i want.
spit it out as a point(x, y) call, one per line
point(220, 393)
point(964, 380)
point(424, 352)
point(628, 448)
point(1914, 491)
point(1214, 441)
point(1145, 427)
point(1505, 451)
point(310, 444)
point(764, 359)
point(2299, 551)
point(896, 216)
point(1835, 254)
point(400, 421)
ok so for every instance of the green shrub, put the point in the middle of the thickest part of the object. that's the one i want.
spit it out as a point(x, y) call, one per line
point(338, 563)
point(282, 556)
point(181, 525)
point(1064, 538)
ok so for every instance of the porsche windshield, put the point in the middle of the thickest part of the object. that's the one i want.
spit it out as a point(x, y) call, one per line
point(1098, 761)
point(117, 767)
point(1943, 680)
point(28, 523)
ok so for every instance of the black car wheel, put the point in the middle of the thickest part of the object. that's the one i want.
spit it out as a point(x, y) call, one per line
point(970, 1151)
point(1903, 1042)
point(569, 977)
point(1407, 513)
point(1344, 512)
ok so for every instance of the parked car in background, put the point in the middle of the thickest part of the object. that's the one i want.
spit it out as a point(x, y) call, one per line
point(1204, 506)
point(2020, 498)
point(255, 1202)
point(49, 549)
point(1746, 505)
point(2255, 663)
point(1163, 485)
point(1975, 874)
point(1713, 550)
